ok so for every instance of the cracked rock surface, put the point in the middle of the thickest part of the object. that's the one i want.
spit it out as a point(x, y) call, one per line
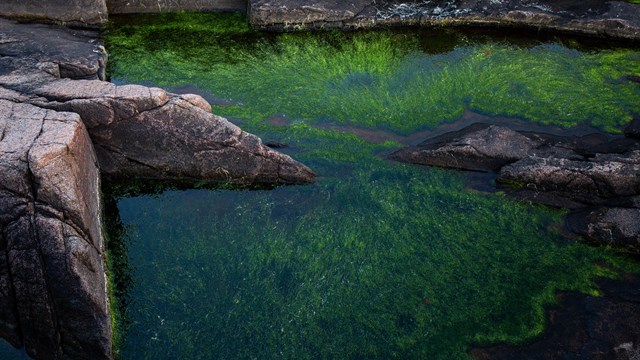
point(618, 19)
point(52, 276)
point(61, 129)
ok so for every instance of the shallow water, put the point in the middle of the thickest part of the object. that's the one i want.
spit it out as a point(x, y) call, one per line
point(378, 259)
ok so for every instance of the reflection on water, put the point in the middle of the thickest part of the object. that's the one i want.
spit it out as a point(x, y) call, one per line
point(378, 259)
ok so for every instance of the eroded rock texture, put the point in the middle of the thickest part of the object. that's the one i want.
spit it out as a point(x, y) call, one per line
point(53, 284)
point(594, 17)
point(148, 133)
point(74, 12)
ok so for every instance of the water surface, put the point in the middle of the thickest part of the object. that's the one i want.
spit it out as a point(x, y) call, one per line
point(378, 259)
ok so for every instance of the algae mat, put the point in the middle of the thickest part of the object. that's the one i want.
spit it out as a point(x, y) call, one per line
point(378, 259)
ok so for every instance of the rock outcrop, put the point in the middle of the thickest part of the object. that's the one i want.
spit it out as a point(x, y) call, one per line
point(70, 12)
point(593, 17)
point(53, 288)
point(61, 128)
point(479, 147)
point(592, 174)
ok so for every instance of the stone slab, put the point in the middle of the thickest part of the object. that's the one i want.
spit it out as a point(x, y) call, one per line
point(70, 12)
point(616, 19)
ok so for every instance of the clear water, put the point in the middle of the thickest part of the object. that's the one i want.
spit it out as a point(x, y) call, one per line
point(378, 259)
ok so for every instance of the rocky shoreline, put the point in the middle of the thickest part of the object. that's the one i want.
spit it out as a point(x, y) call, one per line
point(596, 176)
point(608, 19)
point(62, 128)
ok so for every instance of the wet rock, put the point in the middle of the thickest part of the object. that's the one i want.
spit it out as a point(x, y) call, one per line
point(584, 327)
point(53, 277)
point(72, 12)
point(633, 78)
point(600, 18)
point(571, 172)
point(480, 147)
point(614, 226)
point(300, 13)
point(53, 50)
point(604, 176)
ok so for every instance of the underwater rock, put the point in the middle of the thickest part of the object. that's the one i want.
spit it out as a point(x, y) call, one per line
point(479, 147)
point(571, 172)
point(584, 327)
point(53, 283)
point(615, 226)
point(70, 12)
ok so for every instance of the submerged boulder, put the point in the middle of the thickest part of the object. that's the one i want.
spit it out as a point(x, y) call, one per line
point(615, 226)
point(479, 147)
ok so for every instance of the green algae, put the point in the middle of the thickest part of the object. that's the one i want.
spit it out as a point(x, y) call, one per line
point(377, 260)
point(411, 266)
point(377, 79)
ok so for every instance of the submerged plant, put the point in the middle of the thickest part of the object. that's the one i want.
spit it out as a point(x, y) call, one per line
point(377, 260)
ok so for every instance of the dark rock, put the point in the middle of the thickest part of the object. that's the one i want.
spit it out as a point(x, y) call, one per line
point(479, 147)
point(54, 277)
point(584, 327)
point(614, 226)
point(72, 12)
point(300, 13)
point(276, 145)
point(633, 129)
point(593, 17)
point(153, 6)
point(604, 176)
point(56, 51)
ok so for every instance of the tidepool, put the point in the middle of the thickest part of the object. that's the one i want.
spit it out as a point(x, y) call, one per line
point(377, 259)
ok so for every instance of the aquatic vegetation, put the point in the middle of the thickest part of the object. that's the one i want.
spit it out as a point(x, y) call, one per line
point(380, 79)
point(377, 260)
point(410, 266)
